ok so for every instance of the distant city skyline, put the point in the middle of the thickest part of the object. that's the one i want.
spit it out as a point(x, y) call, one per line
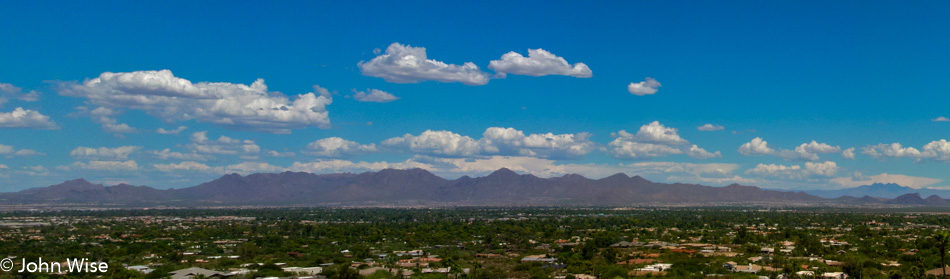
point(793, 96)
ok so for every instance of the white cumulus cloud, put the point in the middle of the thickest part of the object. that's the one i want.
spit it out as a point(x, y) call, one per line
point(510, 141)
point(806, 151)
point(167, 154)
point(406, 64)
point(25, 118)
point(36, 170)
point(239, 106)
point(810, 150)
point(440, 143)
point(10, 151)
point(200, 143)
point(494, 141)
point(275, 153)
point(106, 165)
point(848, 153)
point(655, 140)
point(375, 96)
point(699, 153)
point(810, 170)
point(337, 147)
point(121, 152)
point(249, 168)
point(183, 166)
point(8, 91)
point(938, 150)
point(648, 86)
point(336, 166)
point(757, 146)
point(708, 127)
point(175, 131)
point(538, 63)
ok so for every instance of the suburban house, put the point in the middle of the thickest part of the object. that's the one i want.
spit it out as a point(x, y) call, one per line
point(538, 258)
point(749, 268)
point(192, 272)
point(834, 275)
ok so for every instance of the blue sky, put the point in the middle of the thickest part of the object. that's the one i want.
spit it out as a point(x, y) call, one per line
point(84, 90)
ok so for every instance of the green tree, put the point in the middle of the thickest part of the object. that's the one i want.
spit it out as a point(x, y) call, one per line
point(942, 238)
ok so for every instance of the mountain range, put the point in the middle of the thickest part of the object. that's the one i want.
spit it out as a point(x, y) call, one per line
point(418, 187)
point(887, 191)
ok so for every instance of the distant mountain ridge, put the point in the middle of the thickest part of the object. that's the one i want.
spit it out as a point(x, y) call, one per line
point(418, 187)
point(879, 190)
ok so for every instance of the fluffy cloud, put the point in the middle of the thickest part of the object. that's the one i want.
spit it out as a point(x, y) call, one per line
point(336, 166)
point(774, 169)
point(713, 169)
point(891, 150)
point(102, 165)
point(275, 153)
point(34, 170)
point(805, 151)
point(183, 166)
point(655, 140)
point(648, 86)
point(441, 143)
point(699, 153)
point(337, 147)
point(10, 151)
point(757, 146)
point(375, 96)
point(121, 152)
point(25, 118)
point(172, 131)
point(407, 64)
point(200, 143)
point(538, 63)
point(827, 168)
point(510, 141)
point(494, 141)
point(941, 119)
point(118, 128)
point(859, 179)
point(810, 170)
point(166, 154)
point(638, 150)
point(249, 168)
point(161, 94)
point(656, 133)
point(848, 153)
point(810, 150)
point(710, 127)
point(8, 91)
point(938, 150)
point(243, 168)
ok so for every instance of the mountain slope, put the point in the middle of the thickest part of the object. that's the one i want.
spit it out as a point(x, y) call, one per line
point(82, 191)
point(888, 191)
